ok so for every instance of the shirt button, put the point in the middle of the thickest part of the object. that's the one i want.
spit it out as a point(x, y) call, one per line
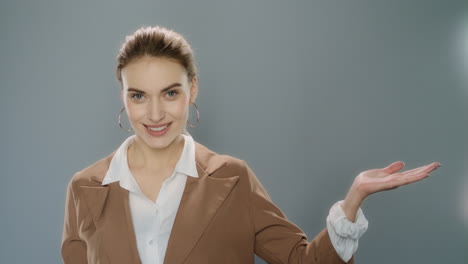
point(150, 242)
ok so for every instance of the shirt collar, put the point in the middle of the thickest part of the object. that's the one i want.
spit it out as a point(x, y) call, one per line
point(119, 170)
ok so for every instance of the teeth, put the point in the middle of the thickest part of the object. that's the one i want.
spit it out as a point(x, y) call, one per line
point(158, 129)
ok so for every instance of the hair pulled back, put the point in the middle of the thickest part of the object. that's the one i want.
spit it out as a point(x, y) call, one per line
point(157, 42)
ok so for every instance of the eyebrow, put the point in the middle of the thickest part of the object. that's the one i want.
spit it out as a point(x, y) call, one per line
point(162, 91)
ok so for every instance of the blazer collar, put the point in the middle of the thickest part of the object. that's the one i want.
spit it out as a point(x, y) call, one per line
point(200, 201)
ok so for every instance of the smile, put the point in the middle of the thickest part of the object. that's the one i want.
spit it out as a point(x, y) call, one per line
point(158, 128)
point(158, 131)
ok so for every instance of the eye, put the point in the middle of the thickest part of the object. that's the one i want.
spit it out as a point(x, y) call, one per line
point(174, 92)
point(135, 95)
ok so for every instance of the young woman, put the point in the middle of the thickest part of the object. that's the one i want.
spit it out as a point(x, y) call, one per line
point(162, 197)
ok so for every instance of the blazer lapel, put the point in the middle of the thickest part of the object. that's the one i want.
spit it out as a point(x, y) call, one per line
point(128, 231)
point(95, 197)
point(112, 203)
point(200, 201)
point(203, 196)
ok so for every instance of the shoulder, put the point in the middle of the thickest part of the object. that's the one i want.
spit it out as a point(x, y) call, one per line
point(92, 174)
point(216, 164)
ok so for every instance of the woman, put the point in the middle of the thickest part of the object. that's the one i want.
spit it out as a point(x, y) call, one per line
point(162, 197)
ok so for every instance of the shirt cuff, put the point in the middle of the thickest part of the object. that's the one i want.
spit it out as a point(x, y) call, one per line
point(343, 233)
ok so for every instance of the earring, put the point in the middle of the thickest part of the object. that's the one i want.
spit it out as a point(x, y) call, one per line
point(198, 116)
point(130, 130)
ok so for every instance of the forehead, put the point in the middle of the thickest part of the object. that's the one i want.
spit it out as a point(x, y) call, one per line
point(151, 72)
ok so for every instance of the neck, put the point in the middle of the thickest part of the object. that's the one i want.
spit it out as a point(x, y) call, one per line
point(142, 157)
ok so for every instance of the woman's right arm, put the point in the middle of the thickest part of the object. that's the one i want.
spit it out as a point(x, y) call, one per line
point(280, 241)
point(73, 248)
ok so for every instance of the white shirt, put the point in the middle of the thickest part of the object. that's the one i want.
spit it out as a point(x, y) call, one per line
point(153, 220)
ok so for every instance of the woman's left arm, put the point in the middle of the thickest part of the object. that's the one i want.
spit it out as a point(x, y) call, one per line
point(377, 180)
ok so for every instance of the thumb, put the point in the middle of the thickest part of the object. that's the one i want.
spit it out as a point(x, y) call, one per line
point(394, 167)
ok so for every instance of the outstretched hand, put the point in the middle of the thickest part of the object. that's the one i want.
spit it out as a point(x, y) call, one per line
point(377, 180)
point(388, 178)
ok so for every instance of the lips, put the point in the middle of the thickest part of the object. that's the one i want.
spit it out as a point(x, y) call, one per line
point(162, 130)
point(156, 126)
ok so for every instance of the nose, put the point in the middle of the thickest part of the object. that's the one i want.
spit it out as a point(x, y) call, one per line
point(155, 112)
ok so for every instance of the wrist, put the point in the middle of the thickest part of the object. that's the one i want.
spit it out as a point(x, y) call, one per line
point(351, 204)
point(354, 198)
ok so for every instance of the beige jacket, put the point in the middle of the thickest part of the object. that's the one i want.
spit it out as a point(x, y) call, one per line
point(225, 216)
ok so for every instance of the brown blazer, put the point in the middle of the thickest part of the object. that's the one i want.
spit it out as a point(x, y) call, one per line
point(225, 216)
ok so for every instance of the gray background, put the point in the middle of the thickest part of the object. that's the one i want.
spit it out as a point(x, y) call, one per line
point(309, 93)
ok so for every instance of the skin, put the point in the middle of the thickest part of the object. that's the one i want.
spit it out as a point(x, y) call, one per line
point(151, 155)
point(151, 159)
point(377, 180)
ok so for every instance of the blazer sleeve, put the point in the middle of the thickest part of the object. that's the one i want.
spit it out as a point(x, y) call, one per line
point(279, 241)
point(73, 248)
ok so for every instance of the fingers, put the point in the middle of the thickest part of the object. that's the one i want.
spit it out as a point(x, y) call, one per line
point(423, 169)
point(414, 170)
point(397, 181)
point(394, 167)
point(427, 168)
point(413, 175)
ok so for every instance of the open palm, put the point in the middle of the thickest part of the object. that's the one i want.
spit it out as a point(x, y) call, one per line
point(388, 178)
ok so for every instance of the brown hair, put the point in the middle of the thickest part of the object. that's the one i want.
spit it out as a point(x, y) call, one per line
point(159, 42)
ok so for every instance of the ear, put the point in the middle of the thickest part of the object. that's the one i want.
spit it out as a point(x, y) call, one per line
point(194, 90)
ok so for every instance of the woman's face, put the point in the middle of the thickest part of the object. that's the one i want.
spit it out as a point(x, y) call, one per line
point(156, 91)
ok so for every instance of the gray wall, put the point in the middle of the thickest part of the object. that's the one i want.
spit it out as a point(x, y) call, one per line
point(309, 93)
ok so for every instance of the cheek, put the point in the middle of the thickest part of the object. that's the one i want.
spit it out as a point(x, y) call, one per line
point(181, 110)
point(135, 112)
